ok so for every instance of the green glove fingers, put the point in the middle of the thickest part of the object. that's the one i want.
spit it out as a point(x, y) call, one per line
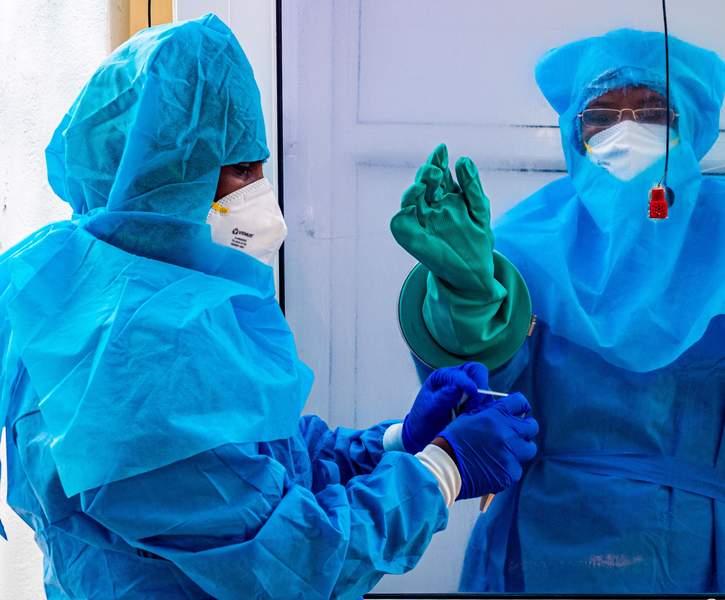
point(432, 178)
point(443, 229)
point(478, 205)
point(449, 184)
point(439, 157)
point(412, 196)
point(472, 301)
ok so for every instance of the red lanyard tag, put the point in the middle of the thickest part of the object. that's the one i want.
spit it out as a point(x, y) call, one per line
point(658, 207)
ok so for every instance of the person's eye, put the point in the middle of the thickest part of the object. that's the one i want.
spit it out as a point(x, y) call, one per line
point(243, 170)
point(653, 115)
point(600, 117)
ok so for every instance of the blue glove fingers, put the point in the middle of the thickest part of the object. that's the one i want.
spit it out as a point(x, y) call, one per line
point(527, 428)
point(453, 376)
point(454, 395)
point(477, 202)
point(464, 384)
point(489, 450)
point(516, 404)
point(523, 450)
point(513, 474)
point(441, 393)
point(477, 372)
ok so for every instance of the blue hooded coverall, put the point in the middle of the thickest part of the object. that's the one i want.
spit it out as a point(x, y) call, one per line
point(151, 390)
point(626, 369)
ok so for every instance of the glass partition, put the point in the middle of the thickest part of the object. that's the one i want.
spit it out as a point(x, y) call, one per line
point(369, 89)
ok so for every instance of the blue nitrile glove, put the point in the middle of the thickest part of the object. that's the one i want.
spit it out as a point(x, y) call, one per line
point(441, 394)
point(490, 445)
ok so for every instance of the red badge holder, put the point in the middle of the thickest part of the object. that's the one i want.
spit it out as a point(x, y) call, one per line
point(658, 206)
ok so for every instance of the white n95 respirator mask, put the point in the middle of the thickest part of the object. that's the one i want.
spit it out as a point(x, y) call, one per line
point(628, 148)
point(249, 220)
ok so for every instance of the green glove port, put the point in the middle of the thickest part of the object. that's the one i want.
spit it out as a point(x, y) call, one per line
point(499, 349)
point(464, 301)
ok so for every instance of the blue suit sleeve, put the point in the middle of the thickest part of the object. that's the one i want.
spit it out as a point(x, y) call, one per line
point(354, 451)
point(234, 522)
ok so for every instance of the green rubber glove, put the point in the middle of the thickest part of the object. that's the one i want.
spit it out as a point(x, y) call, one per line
point(446, 226)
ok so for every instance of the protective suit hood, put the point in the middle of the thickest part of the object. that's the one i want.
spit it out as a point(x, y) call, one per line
point(145, 342)
point(156, 121)
point(601, 273)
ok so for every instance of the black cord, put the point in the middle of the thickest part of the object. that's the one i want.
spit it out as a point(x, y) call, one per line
point(149, 12)
point(280, 145)
point(667, 92)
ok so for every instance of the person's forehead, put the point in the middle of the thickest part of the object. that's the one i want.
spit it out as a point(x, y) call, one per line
point(627, 95)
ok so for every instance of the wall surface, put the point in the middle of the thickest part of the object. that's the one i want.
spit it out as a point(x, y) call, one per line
point(48, 48)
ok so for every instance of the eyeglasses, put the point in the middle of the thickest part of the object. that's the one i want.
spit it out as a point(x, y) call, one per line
point(606, 117)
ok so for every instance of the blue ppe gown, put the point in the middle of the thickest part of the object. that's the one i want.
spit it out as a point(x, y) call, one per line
point(151, 389)
point(626, 369)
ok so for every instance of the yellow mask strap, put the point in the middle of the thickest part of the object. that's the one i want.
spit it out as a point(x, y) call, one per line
point(219, 208)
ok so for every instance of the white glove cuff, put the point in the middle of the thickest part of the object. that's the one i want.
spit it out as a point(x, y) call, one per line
point(393, 438)
point(444, 469)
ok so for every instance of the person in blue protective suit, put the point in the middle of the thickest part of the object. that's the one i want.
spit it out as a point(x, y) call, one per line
point(626, 367)
point(151, 390)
